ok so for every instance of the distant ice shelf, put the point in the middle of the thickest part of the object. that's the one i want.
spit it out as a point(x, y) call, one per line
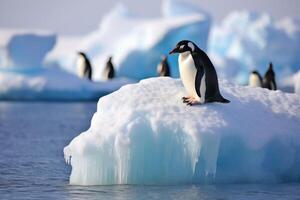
point(52, 84)
point(144, 134)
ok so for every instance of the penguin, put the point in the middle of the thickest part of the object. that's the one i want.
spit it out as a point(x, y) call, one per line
point(109, 71)
point(84, 67)
point(198, 74)
point(269, 79)
point(163, 68)
point(255, 79)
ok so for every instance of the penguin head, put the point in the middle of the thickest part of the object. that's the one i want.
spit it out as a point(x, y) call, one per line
point(270, 71)
point(271, 65)
point(80, 53)
point(183, 46)
point(255, 72)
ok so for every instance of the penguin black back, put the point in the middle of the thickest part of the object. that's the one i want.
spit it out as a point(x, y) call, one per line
point(109, 71)
point(269, 79)
point(212, 86)
point(163, 68)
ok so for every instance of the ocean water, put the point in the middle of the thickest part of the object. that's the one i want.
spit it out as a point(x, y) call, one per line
point(32, 138)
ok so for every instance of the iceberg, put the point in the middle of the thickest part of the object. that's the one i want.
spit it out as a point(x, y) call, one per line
point(144, 134)
point(251, 41)
point(65, 53)
point(25, 49)
point(52, 84)
point(137, 43)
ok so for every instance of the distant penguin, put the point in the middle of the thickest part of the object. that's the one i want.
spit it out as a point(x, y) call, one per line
point(198, 74)
point(84, 68)
point(255, 79)
point(269, 79)
point(163, 68)
point(109, 71)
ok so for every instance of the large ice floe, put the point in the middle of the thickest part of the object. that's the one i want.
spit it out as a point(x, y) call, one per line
point(137, 43)
point(23, 75)
point(245, 41)
point(144, 134)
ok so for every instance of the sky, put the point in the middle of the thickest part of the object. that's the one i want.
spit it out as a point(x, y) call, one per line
point(77, 17)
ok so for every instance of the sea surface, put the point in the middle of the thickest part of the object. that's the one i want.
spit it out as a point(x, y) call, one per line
point(32, 166)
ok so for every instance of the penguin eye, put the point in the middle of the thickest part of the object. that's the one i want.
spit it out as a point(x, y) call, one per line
point(181, 47)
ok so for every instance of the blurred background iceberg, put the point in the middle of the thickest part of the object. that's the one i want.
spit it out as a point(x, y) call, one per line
point(238, 43)
point(252, 40)
point(137, 43)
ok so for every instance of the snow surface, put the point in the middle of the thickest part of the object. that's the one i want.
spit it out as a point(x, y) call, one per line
point(144, 134)
point(24, 48)
point(247, 41)
point(52, 84)
point(137, 43)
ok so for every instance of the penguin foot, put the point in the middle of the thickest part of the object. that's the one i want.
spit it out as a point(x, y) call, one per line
point(186, 99)
point(193, 103)
point(190, 101)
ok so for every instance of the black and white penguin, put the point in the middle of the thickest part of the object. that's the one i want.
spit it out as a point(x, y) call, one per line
point(163, 68)
point(269, 79)
point(84, 67)
point(255, 79)
point(198, 74)
point(109, 71)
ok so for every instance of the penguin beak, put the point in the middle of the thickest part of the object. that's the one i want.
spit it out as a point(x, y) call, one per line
point(175, 50)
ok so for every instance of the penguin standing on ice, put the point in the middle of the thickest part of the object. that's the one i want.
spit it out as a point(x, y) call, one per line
point(269, 79)
point(84, 67)
point(198, 74)
point(109, 71)
point(255, 79)
point(163, 68)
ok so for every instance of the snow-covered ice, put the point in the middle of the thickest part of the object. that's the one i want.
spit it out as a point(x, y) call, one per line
point(52, 84)
point(137, 43)
point(144, 134)
point(246, 41)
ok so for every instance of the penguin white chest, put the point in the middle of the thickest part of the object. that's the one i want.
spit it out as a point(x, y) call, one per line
point(188, 73)
point(159, 68)
point(105, 74)
point(80, 66)
point(255, 81)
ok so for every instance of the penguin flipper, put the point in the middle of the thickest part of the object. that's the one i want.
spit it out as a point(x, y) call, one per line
point(199, 75)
